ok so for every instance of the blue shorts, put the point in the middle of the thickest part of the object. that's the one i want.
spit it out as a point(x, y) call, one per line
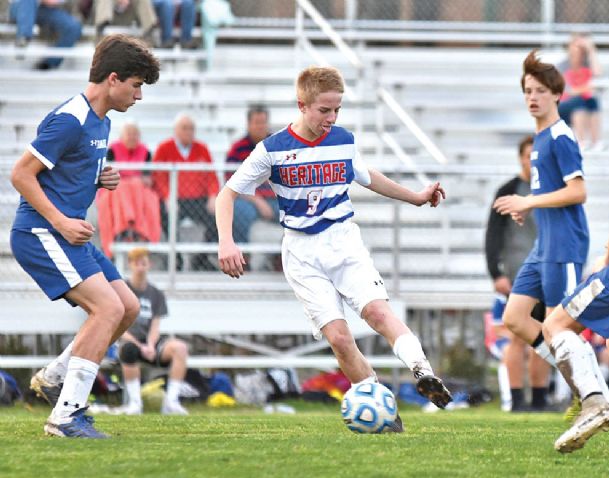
point(55, 264)
point(577, 103)
point(549, 282)
point(589, 304)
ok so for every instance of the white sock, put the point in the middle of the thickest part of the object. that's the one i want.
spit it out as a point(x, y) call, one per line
point(173, 390)
point(134, 394)
point(76, 387)
point(544, 352)
point(562, 390)
point(504, 387)
point(572, 357)
point(55, 372)
point(597, 371)
point(371, 379)
point(408, 349)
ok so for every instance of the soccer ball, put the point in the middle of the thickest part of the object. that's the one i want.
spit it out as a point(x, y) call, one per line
point(369, 408)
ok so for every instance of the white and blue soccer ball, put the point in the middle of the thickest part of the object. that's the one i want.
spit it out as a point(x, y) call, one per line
point(369, 408)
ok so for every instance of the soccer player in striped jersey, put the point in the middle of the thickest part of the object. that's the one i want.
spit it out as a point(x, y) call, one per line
point(310, 165)
point(554, 265)
point(58, 176)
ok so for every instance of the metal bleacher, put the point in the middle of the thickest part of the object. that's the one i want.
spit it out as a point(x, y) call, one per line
point(466, 99)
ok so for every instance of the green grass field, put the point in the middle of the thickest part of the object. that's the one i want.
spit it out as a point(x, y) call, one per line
point(245, 442)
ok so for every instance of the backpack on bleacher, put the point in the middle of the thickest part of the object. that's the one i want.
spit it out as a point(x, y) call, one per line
point(9, 390)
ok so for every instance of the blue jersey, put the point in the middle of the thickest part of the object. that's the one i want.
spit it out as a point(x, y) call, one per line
point(311, 179)
point(71, 143)
point(562, 232)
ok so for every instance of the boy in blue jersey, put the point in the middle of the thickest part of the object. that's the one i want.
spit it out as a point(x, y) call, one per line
point(58, 177)
point(310, 165)
point(554, 265)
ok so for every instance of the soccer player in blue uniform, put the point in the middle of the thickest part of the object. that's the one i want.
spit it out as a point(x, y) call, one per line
point(58, 177)
point(310, 165)
point(554, 266)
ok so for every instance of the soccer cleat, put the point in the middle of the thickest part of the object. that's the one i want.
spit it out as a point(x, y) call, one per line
point(573, 411)
point(434, 390)
point(45, 389)
point(127, 409)
point(593, 418)
point(396, 426)
point(80, 426)
point(174, 408)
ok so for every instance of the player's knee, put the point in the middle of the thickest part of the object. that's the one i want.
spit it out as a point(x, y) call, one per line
point(132, 309)
point(377, 314)
point(129, 353)
point(181, 349)
point(341, 342)
point(511, 320)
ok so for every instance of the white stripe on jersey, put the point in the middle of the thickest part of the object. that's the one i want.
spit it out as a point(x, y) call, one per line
point(329, 191)
point(574, 174)
point(77, 107)
point(39, 155)
point(571, 278)
point(58, 256)
point(303, 222)
point(560, 128)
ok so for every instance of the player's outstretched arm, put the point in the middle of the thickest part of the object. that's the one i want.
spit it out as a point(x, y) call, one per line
point(24, 179)
point(230, 258)
point(381, 184)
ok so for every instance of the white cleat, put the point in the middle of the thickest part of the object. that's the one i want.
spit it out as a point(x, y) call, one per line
point(175, 408)
point(593, 418)
point(127, 409)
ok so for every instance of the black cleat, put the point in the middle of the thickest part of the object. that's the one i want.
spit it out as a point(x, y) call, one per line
point(396, 426)
point(434, 390)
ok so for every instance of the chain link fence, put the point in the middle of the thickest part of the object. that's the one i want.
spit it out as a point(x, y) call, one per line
point(529, 11)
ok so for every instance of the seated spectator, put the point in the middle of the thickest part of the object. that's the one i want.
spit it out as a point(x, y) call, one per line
point(47, 14)
point(214, 14)
point(579, 106)
point(165, 11)
point(129, 149)
point(143, 342)
point(197, 190)
point(125, 12)
point(264, 204)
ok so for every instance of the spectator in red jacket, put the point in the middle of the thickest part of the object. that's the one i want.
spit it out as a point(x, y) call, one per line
point(197, 190)
point(130, 149)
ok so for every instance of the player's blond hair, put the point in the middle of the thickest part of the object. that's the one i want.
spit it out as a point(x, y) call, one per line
point(137, 253)
point(315, 80)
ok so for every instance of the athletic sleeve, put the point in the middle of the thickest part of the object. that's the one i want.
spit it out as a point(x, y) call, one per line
point(160, 305)
point(360, 169)
point(254, 171)
point(59, 135)
point(568, 157)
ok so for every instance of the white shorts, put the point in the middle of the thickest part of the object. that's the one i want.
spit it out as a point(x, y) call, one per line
point(326, 268)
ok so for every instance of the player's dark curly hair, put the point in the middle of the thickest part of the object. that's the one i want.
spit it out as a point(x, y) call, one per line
point(127, 57)
point(545, 73)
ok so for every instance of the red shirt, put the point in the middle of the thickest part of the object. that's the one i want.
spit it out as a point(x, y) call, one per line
point(191, 184)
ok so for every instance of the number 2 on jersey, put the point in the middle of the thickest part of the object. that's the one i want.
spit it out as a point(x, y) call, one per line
point(313, 200)
point(535, 184)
